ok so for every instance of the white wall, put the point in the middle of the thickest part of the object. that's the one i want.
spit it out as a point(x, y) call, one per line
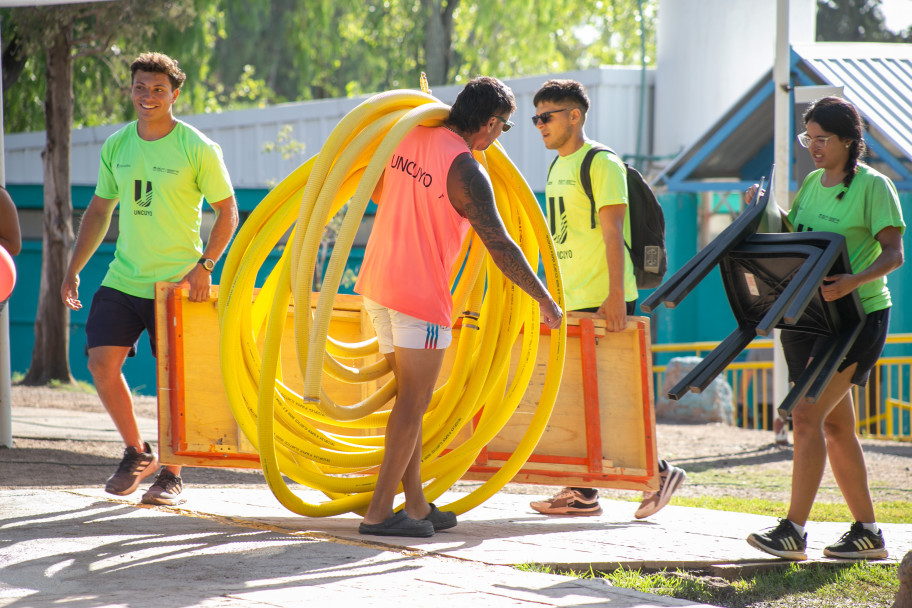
point(709, 53)
point(612, 120)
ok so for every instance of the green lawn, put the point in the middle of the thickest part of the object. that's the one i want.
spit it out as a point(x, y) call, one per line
point(893, 512)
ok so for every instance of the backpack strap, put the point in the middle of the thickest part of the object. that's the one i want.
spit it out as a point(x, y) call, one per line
point(586, 181)
point(551, 166)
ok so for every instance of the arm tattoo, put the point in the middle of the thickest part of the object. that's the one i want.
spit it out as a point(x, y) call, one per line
point(481, 211)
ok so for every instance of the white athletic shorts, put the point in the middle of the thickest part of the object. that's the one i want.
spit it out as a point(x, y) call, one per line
point(399, 329)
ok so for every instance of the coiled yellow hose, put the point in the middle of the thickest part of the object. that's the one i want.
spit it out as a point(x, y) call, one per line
point(321, 444)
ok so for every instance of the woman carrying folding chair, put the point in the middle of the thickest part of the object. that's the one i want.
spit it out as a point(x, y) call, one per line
point(850, 198)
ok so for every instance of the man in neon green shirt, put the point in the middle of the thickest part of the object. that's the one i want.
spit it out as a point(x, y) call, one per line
point(596, 268)
point(158, 169)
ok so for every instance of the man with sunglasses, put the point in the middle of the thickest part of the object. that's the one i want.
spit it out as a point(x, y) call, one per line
point(431, 192)
point(595, 267)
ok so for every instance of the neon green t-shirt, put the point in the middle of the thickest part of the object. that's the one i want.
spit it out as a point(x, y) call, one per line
point(576, 230)
point(160, 185)
point(870, 205)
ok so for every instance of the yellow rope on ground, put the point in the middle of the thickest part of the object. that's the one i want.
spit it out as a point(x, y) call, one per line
point(309, 438)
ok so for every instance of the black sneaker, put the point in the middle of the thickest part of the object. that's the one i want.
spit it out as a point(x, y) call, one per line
point(134, 467)
point(781, 541)
point(858, 543)
point(165, 491)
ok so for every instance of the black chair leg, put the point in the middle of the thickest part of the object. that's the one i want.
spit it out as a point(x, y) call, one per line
point(705, 372)
point(844, 343)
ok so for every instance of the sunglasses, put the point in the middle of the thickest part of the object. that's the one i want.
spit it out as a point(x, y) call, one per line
point(507, 123)
point(545, 117)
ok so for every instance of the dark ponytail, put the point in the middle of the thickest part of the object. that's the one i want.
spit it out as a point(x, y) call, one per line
point(838, 116)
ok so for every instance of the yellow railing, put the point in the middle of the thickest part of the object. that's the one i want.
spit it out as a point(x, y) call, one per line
point(892, 414)
point(883, 408)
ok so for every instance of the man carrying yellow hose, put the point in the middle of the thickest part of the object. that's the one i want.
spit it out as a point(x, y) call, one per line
point(431, 192)
point(589, 235)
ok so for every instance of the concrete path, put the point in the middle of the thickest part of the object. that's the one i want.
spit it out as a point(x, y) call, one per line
point(83, 548)
point(80, 549)
point(50, 423)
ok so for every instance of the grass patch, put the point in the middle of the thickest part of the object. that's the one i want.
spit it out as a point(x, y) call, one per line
point(892, 512)
point(679, 584)
point(860, 585)
point(77, 386)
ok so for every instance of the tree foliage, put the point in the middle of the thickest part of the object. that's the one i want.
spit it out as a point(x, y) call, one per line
point(512, 38)
point(854, 21)
point(249, 54)
point(238, 53)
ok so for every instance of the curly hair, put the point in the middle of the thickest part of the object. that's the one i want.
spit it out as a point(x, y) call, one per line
point(159, 63)
point(481, 98)
point(839, 117)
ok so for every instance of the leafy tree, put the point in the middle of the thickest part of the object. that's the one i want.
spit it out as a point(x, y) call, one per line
point(513, 38)
point(241, 54)
point(310, 50)
point(854, 21)
point(306, 49)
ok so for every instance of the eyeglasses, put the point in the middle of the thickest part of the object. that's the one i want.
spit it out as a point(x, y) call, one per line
point(507, 123)
point(805, 140)
point(545, 117)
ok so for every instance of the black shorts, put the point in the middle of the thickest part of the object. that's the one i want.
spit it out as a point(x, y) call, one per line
point(800, 348)
point(118, 319)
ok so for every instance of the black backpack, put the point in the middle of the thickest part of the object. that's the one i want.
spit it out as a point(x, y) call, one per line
point(647, 222)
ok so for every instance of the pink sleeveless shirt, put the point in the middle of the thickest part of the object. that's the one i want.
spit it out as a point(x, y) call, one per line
point(417, 234)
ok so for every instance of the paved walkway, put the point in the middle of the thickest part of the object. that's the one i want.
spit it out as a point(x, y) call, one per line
point(50, 423)
point(84, 548)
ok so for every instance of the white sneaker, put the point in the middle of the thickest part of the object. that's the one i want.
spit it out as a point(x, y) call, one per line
point(781, 431)
point(670, 480)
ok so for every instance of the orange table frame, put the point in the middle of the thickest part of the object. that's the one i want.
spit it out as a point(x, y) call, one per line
point(586, 451)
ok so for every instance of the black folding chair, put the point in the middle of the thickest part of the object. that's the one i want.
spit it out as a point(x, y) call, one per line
point(772, 281)
point(675, 289)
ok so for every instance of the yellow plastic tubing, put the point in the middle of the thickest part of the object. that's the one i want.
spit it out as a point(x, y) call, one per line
point(337, 448)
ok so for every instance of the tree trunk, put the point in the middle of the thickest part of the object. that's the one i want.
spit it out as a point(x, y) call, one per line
point(50, 356)
point(438, 39)
point(13, 62)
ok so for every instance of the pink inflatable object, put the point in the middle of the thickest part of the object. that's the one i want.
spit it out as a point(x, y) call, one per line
point(7, 274)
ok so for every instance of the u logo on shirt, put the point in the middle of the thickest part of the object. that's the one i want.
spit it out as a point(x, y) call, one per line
point(558, 219)
point(141, 198)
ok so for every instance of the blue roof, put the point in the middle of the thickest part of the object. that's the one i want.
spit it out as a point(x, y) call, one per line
point(738, 149)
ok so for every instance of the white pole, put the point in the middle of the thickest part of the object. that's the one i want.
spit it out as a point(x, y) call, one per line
point(782, 113)
point(6, 403)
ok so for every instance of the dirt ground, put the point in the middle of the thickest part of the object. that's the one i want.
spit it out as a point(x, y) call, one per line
point(719, 459)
